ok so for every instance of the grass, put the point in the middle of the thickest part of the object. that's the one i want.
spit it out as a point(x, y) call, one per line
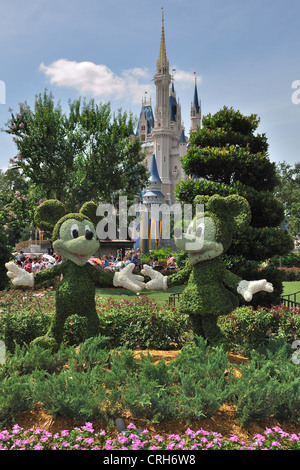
point(290, 288)
point(159, 296)
point(162, 296)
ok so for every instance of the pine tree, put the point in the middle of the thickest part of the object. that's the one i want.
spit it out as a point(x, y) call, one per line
point(226, 157)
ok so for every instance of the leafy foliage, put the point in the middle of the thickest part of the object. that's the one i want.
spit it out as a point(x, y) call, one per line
point(77, 156)
point(287, 192)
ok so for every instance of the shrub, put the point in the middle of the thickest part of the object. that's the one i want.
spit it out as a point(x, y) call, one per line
point(138, 323)
point(290, 260)
point(290, 274)
point(16, 395)
point(269, 385)
point(142, 324)
point(25, 317)
point(199, 374)
point(246, 328)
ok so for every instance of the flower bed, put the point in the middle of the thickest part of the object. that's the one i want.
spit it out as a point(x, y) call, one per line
point(85, 438)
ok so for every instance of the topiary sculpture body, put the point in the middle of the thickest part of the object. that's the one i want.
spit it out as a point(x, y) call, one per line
point(74, 238)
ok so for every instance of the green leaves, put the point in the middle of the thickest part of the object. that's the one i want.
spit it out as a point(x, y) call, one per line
point(79, 155)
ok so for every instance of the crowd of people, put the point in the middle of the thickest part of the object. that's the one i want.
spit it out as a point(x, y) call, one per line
point(34, 264)
point(117, 263)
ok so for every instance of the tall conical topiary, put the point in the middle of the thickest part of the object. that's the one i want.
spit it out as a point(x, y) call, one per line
point(226, 157)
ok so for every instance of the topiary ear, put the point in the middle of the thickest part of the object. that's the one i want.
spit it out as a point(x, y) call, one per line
point(232, 210)
point(201, 199)
point(89, 209)
point(48, 214)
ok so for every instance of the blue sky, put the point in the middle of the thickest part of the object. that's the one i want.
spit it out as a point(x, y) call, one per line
point(245, 55)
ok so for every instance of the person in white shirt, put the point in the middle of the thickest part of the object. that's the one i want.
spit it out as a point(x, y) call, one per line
point(36, 267)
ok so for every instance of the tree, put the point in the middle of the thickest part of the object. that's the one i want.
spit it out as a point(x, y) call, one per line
point(287, 192)
point(226, 157)
point(87, 154)
point(18, 200)
point(5, 254)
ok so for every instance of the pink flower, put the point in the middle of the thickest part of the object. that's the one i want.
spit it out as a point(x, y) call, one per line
point(38, 447)
point(17, 193)
point(131, 426)
point(21, 125)
point(5, 227)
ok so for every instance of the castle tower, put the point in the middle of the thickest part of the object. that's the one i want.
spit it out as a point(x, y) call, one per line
point(146, 120)
point(168, 127)
point(153, 194)
point(195, 111)
point(162, 133)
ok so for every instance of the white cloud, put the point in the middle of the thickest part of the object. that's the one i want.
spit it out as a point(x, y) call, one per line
point(100, 81)
point(97, 79)
point(185, 79)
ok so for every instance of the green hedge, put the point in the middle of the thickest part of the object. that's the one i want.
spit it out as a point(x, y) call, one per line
point(246, 328)
point(289, 261)
point(138, 323)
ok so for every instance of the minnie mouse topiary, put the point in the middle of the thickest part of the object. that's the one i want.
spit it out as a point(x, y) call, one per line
point(212, 290)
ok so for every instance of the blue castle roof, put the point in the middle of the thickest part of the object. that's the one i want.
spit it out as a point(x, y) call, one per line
point(182, 138)
point(154, 176)
point(196, 100)
point(148, 113)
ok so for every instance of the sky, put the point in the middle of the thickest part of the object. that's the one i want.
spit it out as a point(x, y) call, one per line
point(245, 55)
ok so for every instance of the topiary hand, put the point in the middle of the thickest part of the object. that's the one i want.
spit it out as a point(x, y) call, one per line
point(158, 281)
point(248, 288)
point(128, 280)
point(19, 276)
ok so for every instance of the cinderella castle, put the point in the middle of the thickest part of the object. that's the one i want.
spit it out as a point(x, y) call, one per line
point(162, 133)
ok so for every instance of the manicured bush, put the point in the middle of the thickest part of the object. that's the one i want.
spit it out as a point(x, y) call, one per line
point(290, 274)
point(246, 328)
point(289, 261)
point(24, 316)
point(142, 324)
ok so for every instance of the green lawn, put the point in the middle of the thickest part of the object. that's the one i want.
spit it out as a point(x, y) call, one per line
point(161, 296)
point(290, 288)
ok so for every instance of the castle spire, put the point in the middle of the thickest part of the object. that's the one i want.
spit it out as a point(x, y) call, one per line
point(195, 110)
point(162, 60)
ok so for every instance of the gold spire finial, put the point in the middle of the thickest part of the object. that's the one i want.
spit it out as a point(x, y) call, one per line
point(162, 52)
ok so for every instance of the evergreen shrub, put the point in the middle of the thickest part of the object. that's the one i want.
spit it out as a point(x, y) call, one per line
point(269, 386)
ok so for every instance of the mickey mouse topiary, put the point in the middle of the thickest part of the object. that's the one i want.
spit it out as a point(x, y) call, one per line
point(212, 290)
point(74, 238)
